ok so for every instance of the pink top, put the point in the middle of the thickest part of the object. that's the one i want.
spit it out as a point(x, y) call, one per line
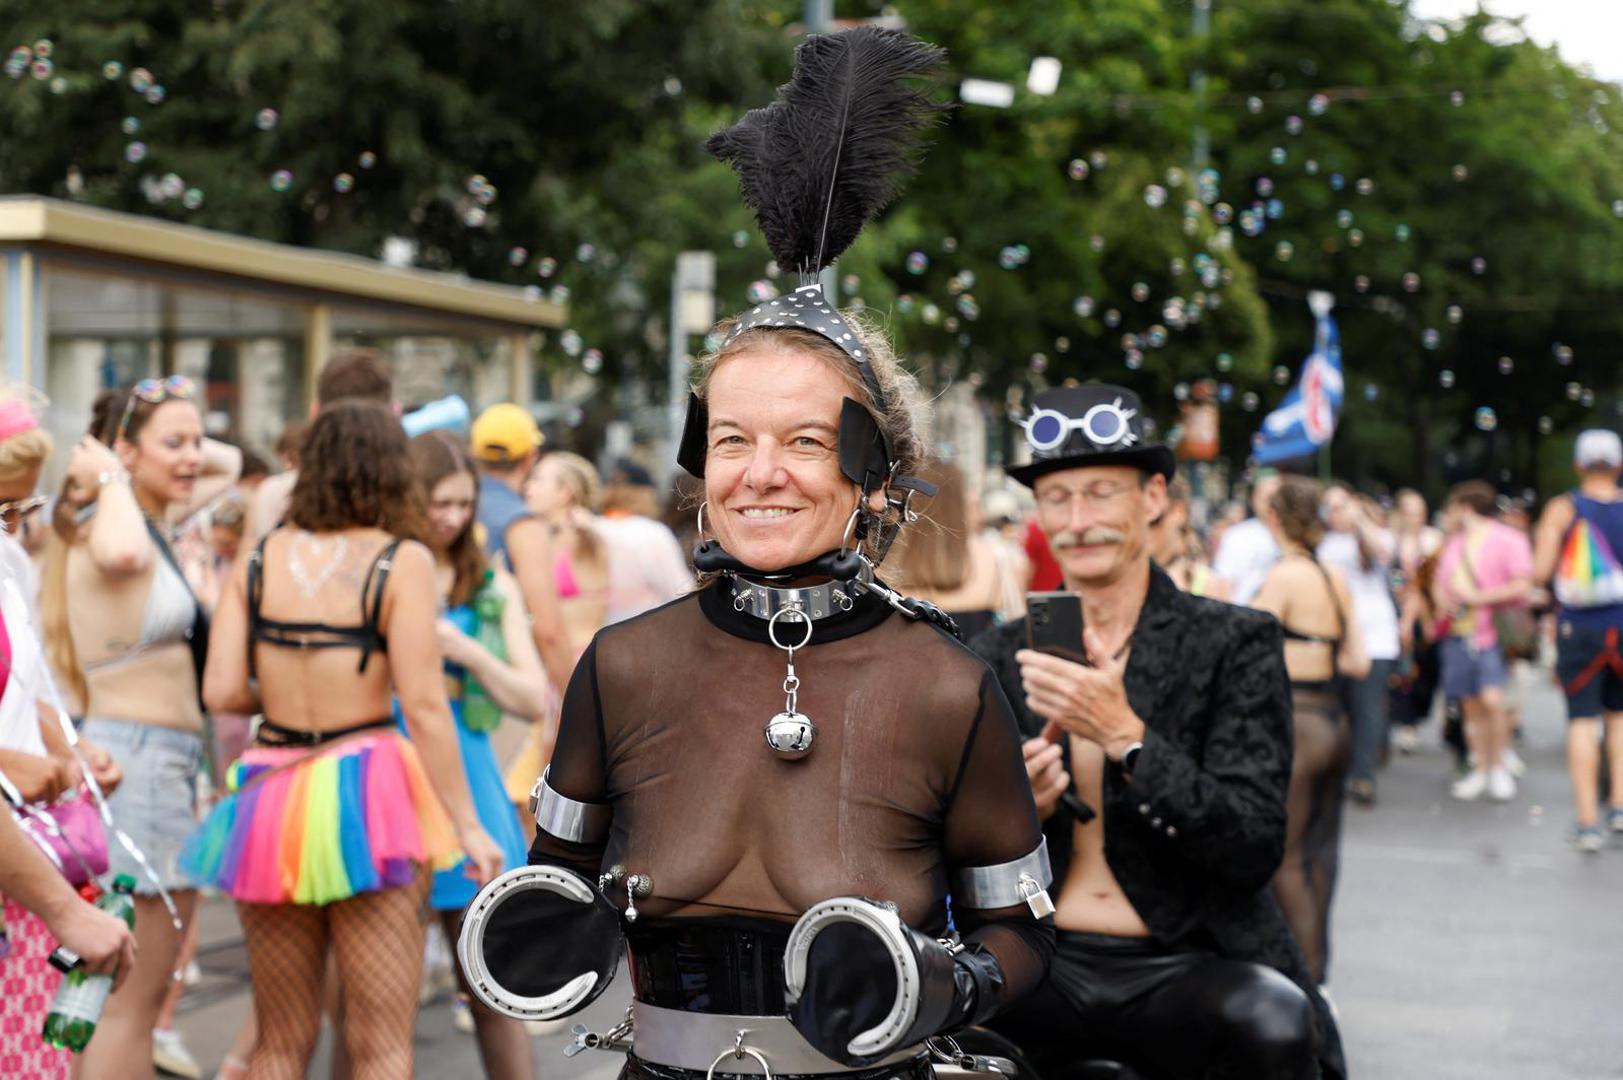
point(563, 577)
point(1497, 556)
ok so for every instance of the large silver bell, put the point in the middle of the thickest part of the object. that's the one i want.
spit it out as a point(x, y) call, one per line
point(790, 735)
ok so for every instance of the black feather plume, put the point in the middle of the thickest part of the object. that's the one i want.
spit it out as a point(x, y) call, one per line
point(838, 145)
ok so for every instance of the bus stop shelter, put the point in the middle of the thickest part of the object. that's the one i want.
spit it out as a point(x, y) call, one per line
point(91, 298)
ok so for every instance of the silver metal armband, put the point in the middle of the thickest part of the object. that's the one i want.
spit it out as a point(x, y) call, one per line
point(1022, 881)
point(568, 819)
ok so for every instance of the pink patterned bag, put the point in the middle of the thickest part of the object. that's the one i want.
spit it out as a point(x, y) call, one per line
point(71, 831)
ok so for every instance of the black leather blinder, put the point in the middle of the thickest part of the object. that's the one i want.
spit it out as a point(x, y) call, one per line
point(865, 452)
point(690, 452)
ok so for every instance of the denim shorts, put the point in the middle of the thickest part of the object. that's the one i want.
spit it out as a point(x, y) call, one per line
point(157, 802)
point(1587, 662)
point(1468, 670)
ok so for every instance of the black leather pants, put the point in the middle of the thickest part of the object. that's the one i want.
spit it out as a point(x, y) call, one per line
point(1166, 1014)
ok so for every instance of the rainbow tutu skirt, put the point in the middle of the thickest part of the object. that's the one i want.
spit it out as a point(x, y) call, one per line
point(313, 826)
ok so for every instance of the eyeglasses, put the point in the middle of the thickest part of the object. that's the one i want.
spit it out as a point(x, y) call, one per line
point(1106, 424)
point(155, 392)
point(13, 513)
point(1058, 497)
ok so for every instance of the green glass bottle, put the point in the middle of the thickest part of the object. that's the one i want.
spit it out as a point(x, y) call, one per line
point(479, 711)
point(82, 995)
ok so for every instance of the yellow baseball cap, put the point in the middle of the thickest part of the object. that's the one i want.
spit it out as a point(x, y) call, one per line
point(504, 432)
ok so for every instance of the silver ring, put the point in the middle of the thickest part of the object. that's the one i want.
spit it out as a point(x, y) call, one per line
point(772, 628)
point(851, 525)
point(738, 1051)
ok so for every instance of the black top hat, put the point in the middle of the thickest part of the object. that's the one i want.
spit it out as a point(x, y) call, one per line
point(1094, 424)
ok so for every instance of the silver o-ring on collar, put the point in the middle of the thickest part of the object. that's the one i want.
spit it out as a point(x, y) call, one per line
point(772, 628)
point(738, 1051)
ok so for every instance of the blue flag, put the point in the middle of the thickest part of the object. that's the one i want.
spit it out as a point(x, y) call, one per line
point(1306, 419)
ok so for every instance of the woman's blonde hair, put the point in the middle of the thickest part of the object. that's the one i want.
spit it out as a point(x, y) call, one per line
point(586, 488)
point(934, 554)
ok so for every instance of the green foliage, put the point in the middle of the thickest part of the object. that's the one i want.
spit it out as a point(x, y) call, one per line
point(587, 121)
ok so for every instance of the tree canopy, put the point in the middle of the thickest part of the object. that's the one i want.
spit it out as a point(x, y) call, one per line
point(1457, 188)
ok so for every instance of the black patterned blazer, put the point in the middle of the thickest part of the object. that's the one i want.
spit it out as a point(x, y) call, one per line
point(1196, 835)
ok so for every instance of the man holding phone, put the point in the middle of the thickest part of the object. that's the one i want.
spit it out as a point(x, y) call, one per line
point(1159, 752)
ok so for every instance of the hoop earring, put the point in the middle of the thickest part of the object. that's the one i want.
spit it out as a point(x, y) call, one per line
point(702, 505)
point(850, 529)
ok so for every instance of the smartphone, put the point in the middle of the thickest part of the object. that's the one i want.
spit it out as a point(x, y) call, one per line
point(1054, 624)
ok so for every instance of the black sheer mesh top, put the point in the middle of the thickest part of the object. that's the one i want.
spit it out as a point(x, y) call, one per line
point(916, 770)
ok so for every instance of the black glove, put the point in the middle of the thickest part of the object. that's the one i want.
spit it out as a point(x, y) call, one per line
point(876, 982)
point(539, 943)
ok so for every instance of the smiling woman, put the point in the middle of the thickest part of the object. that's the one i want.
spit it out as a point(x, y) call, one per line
point(775, 491)
point(796, 891)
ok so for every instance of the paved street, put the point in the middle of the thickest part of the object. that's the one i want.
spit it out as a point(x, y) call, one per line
point(1469, 941)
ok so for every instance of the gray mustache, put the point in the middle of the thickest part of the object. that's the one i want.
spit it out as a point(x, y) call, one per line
point(1099, 534)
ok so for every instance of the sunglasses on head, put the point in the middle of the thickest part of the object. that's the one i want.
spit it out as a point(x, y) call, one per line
point(155, 392)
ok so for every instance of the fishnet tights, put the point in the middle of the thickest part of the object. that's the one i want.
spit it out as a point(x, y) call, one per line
point(377, 941)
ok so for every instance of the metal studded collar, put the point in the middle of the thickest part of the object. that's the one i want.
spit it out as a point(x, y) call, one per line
point(814, 601)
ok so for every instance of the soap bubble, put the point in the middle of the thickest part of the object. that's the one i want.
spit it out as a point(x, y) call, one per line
point(1253, 105)
point(917, 262)
point(1411, 282)
point(135, 153)
point(1157, 336)
point(1574, 391)
point(1311, 166)
point(1133, 359)
point(1225, 362)
point(281, 180)
point(1430, 338)
point(265, 119)
point(1264, 186)
point(1096, 243)
point(1222, 213)
point(141, 80)
point(1008, 258)
point(930, 314)
point(949, 244)
point(1078, 169)
point(1546, 425)
point(1456, 98)
point(1282, 374)
point(44, 47)
point(585, 252)
point(367, 159)
point(1098, 159)
point(518, 256)
point(1249, 401)
point(591, 361)
point(1175, 176)
point(1587, 398)
point(1062, 344)
point(192, 199)
point(1506, 365)
point(112, 71)
point(1402, 232)
point(1344, 218)
point(1277, 155)
point(1155, 196)
point(741, 238)
point(1479, 266)
point(1445, 379)
point(1284, 250)
point(1617, 208)
point(155, 94)
point(172, 186)
point(1293, 125)
point(1460, 174)
point(1364, 186)
point(1562, 354)
point(570, 342)
point(1141, 291)
point(1112, 318)
point(546, 266)
point(968, 308)
point(760, 291)
point(474, 216)
point(343, 183)
point(559, 294)
point(1083, 306)
point(1486, 419)
point(1337, 181)
point(130, 125)
point(1275, 209)
point(1371, 391)
point(42, 69)
point(1317, 104)
point(1456, 314)
point(850, 284)
point(1355, 237)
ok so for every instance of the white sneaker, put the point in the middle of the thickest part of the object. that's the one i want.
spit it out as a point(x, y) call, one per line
point(1513, 763)
point(1501, 785)
point(1407, 739)
point(169, 1055)
point(462, 1015)
point(1470, 786)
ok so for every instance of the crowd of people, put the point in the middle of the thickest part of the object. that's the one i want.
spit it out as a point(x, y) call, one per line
point(1057, 768)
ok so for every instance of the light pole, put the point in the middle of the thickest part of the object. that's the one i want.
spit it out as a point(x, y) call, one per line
point(693, 311)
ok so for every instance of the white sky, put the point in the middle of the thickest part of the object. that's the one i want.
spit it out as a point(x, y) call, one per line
point(1586, 32)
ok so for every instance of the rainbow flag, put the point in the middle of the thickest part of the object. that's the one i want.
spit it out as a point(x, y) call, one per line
point(1589, 574)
